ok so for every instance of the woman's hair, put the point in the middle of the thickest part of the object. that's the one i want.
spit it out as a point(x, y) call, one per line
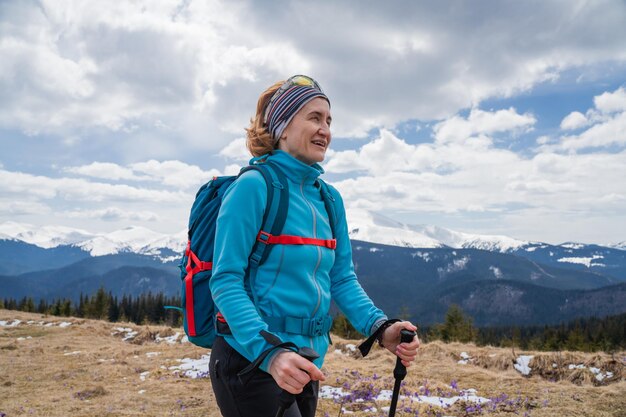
point(258, 139)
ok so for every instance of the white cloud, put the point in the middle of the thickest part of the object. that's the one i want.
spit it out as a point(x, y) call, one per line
point(198, 67)
point(480, 122)
point(11, 208)
point(114, 214)
point(236, 150)
point(455, 179)
point(574, 120)
point(174, 173)
point(612, 132)
point(74, 66)
point(611, 102)
point(171, 173)
point(79, 189)
point(104, 170)
point(167, 83)
point(607, 125)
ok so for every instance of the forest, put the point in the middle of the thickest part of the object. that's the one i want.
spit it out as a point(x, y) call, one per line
point(593, 334)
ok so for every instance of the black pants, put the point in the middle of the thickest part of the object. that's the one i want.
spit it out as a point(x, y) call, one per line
point(258, 394)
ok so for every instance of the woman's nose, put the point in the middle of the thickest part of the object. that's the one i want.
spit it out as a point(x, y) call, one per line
point(324, 129)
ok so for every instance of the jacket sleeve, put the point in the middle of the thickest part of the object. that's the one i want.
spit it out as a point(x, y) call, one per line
point(346, 291)
point(238, 224)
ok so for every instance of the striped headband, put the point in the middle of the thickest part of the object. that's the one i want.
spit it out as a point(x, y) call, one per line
point(294, 94)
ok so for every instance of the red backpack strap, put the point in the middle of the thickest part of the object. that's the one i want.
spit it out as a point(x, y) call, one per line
point(269, 239)
point(194, 265)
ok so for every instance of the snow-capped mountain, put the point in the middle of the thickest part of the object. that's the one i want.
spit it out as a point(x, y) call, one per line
point(131, 239)
point(375, 228)
point(45, 237)
point(424, 267)
point(363, 225)
point(620, 245)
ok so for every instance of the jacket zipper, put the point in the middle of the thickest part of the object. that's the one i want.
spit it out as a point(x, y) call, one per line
point(319, 252)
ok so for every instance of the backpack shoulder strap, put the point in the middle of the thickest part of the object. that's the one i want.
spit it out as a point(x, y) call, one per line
point(329, 203)
point(275, 211)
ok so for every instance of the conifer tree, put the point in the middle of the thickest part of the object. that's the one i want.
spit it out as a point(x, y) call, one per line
point(457, 327)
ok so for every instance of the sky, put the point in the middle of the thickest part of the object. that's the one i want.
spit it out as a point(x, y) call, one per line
point(490, 117)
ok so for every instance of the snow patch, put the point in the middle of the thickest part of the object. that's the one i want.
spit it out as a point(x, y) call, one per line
point(522, 364)
point(455, 266)
point(424, 255)
point(193, 368)
point(329, 392)
point(465, 358)
point(168, 339)
point(583, 261)
point(573, 245)
point(496, 272)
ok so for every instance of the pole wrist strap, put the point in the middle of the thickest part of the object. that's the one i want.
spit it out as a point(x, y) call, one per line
point(366, 346)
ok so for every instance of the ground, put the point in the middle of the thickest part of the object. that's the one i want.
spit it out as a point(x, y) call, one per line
point(54, 366)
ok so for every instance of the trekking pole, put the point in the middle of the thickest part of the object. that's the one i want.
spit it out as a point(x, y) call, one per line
point(399, 372)
point(285, 399)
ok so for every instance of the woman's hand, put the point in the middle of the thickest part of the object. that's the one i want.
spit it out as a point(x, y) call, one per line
point(292, 372)
point(407, 352)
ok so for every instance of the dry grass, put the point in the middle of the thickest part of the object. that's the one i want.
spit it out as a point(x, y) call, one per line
point(85, 370)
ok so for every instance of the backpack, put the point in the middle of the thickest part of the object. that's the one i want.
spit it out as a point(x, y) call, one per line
point(200, 315)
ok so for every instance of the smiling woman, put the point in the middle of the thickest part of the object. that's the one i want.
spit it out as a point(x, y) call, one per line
point(273, 323)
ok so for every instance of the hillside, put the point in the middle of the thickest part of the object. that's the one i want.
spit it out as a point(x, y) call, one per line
point(96, 368)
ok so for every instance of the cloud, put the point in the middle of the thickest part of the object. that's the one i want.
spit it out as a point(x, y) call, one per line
point(389, 152)
point(183, 70)
point(151, 90)
point(482, 122)
point(606, 121)
point(169, 173)
point(608, 102)
point(114, 214)
point(11, 208)
point(236, 151)
point(127, 66)
point(174, 173)
point(456, 180)
point(573, 121)
point(104, 170)
point(43, 187)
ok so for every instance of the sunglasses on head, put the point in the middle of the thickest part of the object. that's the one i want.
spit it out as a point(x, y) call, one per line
point(295, 81)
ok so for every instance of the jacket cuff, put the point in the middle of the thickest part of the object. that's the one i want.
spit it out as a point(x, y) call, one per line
point(377, 328)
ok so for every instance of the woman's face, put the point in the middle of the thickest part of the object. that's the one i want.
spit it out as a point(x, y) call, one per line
point(307, 135)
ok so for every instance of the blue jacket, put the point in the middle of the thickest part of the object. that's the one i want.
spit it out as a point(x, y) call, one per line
point(295, 280)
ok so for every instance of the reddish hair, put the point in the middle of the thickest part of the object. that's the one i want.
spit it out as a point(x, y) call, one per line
point(258, 139)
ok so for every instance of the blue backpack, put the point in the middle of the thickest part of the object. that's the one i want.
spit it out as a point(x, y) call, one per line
point(200, 316)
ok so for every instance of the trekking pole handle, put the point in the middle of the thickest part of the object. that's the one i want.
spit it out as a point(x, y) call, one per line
point(285, 399)
point(406, 336)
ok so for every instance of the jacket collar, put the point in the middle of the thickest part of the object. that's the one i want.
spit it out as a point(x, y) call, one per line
point(295, 169)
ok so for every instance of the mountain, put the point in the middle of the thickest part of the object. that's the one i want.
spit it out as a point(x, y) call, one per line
point(411, 269)
point(375, 228)
point(18, 257)
point(43, 237)
point(139, 240)
point(577, 256)
point(496, 303)
point(423, 282)
point(621, 245)
point(135, 240)
point(88, 274)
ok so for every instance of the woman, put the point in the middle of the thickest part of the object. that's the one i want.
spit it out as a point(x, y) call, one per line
point(291, 130)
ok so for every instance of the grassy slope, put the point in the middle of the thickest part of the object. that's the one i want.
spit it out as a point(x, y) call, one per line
point(84, 370)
